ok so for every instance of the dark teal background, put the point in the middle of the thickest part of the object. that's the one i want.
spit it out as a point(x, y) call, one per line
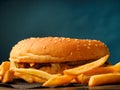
point(92, 19)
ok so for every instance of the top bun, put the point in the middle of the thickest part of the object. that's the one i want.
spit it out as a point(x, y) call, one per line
point(57, 49)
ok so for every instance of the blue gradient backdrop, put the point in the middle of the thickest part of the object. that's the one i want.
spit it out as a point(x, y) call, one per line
point(93, 19)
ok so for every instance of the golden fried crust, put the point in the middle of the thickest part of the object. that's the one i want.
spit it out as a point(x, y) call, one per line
point(57, 49)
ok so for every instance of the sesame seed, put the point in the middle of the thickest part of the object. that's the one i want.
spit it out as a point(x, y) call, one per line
point(89, 41)
point(62, 39)
point(96, 45)
point(55, 38)
point(88, 47)
point(71, 53)
point(22, 45)
point(89, 44)
point(55, 41)
point(44, 47)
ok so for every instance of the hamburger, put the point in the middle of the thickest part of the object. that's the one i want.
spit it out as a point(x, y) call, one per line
point(55, 54)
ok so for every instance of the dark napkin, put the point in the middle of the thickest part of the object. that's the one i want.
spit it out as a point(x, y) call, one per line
point(21, 84)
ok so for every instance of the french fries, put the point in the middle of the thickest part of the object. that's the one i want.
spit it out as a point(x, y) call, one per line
point(58, 80)
point(64, 79)
point(104, 79)
point(0, 78)
point(4, 67)
point(103, 70)
point(82, 79)
point(35, 72)
point(27, 77)
point(6, 75)
point(93, 74)
point(38, 79)
point(32, 75)
point(84, 68)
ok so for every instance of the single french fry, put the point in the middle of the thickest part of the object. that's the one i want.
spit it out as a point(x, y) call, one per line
point(8, 76)
point(35, 72)
point(0, 78)
point(27, 77)
point(0, 67)
point(4, 67)
point(83, 79)
point(84, 68)
point(117, 67)
point(59, 80)
point(74, 81)
point(12, 65)
point(104, 79)
point(0, 73)
point(38, 79)
point(103, 70)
